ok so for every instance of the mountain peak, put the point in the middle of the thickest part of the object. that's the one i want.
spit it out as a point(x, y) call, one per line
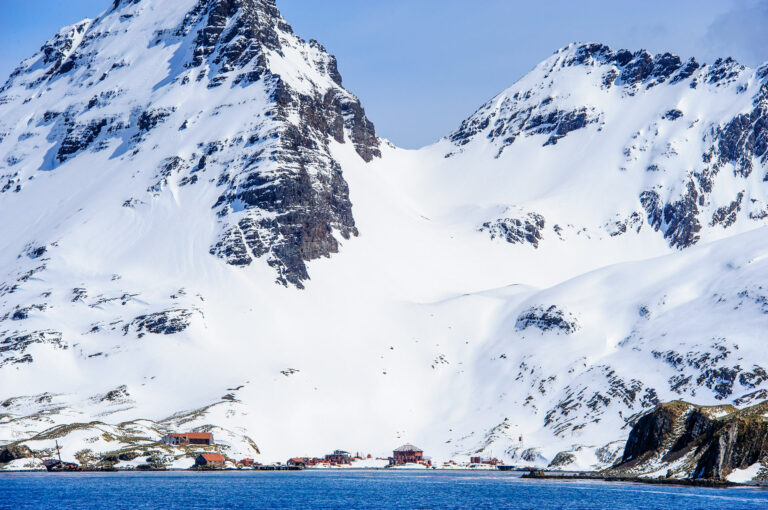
point(632, 68)
point(116, 4)
point(281, 195)
point(599, 69)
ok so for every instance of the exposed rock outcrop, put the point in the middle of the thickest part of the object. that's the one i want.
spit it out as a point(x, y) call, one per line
point(526, 229)
point(14, 452)
point(562, 459)
point(287, 200)
point(546, 319)
point(13, 348)
point(166, 322)
point(696, 441)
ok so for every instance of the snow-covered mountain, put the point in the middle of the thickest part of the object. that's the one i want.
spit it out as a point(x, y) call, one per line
point(202, 223)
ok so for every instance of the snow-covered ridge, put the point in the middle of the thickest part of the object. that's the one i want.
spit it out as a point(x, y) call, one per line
point(673, 141)
point(590, 243)
point(90, 90)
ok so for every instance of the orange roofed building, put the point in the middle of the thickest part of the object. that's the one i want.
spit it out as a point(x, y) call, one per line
point(210, 459)
point(189, 438)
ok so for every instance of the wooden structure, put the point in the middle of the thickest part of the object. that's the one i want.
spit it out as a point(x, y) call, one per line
point(210, 460)
point(339, 457)
point(189, 438)
point(407, 454)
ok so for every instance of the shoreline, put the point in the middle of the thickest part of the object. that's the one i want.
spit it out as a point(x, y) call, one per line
point(526, 474)
point(264, 468)
point(684, 482)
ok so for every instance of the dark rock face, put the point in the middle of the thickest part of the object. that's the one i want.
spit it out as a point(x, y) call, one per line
point(630, 68)
point(709, 368)
point(516, 119)
point(79, 294)
point(12, 348)
point(735, 444)
point(34, 252)
point(9, 453)
point(742, 139)
point(167, 322)
point(118, 394)
point(289, 197)
point(517, 230)
point(638, 69)
point(557, 124)
point(753, 378)
point(634, 222)
point(678, 220)
point(292, 211)
point(649, 432)
point(714, 441)
point(724, 70)
point(562, 459)
point(21, 313)
point(79, 138)
point(686, 72)
point(546, 319)
point(232, 46)
point(151, 118)
point(726, 216)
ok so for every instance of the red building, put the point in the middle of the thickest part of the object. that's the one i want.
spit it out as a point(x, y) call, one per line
point(407, 454)
point(189, 438)
point(339, 457)
point(210, 460)
point(247, 463)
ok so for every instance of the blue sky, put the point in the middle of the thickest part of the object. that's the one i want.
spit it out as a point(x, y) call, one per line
point(421, 66)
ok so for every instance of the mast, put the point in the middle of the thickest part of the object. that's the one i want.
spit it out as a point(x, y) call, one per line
point(57, 450)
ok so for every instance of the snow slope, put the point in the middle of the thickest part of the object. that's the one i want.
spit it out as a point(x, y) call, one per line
point(199, 213)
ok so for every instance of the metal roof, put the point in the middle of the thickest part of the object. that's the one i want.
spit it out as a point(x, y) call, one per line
point(409, 448)
point(198, 435)
point(193, 435)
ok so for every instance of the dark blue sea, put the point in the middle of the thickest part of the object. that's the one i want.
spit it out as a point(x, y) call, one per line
point(349, 489)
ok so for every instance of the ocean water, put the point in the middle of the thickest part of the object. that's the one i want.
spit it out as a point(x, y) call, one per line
point(350, 489)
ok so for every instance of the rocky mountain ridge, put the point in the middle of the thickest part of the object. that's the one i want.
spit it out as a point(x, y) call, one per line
point(679, 205)
point(282, 158)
